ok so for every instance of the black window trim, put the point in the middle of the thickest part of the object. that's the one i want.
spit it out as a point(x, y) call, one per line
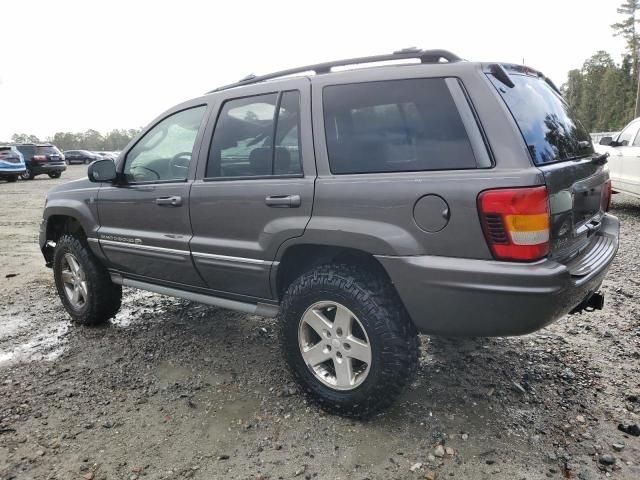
point(273, 150)
point(466, 98)
point(123, 181)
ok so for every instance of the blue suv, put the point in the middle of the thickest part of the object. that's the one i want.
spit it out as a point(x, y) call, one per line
point(11, 163)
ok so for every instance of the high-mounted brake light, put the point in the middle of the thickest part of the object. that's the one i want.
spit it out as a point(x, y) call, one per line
point(516, 222)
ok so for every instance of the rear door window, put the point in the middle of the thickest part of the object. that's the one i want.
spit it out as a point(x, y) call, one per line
point(257, 136)
point(396, 126)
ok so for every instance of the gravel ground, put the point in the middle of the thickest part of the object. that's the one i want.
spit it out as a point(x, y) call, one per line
point(172, 389)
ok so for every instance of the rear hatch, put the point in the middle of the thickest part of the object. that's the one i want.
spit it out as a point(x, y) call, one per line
point(51, 153)
point(561, 148)
point(8, 155)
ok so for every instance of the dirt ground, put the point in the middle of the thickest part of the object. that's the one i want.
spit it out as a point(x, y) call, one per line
point(172, 389)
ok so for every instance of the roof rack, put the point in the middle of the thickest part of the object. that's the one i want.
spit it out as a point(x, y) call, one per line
point(425, 56)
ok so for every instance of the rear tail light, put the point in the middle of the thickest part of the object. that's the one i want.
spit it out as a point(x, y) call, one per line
point(606, 196)
point(39, 158)
point(516, 222)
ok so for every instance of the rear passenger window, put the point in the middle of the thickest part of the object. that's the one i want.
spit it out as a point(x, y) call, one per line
point(395, 126)
point(256, 137)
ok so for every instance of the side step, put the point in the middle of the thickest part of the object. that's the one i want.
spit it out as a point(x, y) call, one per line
point(261, 309)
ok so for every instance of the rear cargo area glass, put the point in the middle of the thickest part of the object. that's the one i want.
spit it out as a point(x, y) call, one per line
point(548, 125)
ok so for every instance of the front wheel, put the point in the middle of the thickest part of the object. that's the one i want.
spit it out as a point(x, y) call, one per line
point(348, 339)
point(84, 285)
point(54, 175)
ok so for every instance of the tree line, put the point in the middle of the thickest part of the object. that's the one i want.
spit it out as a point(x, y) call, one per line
point(90, 139)
point(603, 93)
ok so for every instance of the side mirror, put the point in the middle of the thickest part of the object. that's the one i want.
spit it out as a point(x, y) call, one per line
point(102, 171)
point(606, 141)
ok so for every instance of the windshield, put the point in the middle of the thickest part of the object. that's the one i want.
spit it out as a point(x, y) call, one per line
point(547, 123)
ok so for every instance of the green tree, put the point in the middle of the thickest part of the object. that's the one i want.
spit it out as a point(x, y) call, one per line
point(627, 30)
point(24, 138)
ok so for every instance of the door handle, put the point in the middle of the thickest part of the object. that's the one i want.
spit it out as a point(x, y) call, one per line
point(283, 201)
point(174, 201)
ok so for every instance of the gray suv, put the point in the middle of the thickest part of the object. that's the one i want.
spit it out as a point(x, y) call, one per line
point(359, 206)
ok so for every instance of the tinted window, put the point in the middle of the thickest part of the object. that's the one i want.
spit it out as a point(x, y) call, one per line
point(47, 150)
point(547, 123)
point(395, 126)
point(164, 152)
point(27, 151)
point(247, 132)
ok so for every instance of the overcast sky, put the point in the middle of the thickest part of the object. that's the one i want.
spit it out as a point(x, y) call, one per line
point(73, 65)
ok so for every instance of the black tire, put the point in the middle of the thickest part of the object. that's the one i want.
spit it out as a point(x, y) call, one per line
point(55, 175)
point(12, 178)
point(27, 175)
point(393, 338)
point(104, 296)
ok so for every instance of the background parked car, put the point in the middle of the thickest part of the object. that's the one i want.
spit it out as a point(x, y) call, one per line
point(40, 159)
point(80, 156)
point(624, 158)
point(11, 163)
point(107, 155)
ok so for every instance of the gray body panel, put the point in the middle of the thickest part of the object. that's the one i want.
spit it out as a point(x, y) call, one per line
point(225, 242)
point(463, 297)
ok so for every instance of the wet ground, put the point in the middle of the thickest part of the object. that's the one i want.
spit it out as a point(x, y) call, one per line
point(172, 389)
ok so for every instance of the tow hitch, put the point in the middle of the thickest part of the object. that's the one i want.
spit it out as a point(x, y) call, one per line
point(593, 302)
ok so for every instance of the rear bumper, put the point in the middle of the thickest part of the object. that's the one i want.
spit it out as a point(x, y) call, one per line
point(8, 169)
point(38, 168)
point(9, 172)
point(465, 297)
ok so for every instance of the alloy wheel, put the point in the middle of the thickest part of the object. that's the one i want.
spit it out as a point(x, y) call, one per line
point(74, 281)
point(334, 345)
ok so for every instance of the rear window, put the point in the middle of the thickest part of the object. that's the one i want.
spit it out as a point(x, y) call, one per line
point(395, 126)
point(548, 124)
point(47, 150)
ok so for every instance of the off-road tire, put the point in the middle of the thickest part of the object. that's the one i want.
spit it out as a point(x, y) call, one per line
point(55, 175)
point(395, 345)
point(104, 296)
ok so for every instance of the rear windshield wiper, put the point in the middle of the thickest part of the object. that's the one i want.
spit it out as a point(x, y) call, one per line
point(600, 159)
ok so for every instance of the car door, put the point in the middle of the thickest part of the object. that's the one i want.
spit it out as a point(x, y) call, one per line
point(144, 218)
point(631, 167)
point(254, 186)
point(624, 151)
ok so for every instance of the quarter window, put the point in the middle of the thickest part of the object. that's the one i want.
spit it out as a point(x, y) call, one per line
point(257, 136)
point(395, 126)
point(164, 152)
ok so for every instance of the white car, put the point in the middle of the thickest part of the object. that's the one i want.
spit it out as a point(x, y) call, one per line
point(624, 158)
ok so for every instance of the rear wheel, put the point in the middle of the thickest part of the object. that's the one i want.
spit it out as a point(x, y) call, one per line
point(348, 339)
point(12, 178)
point(27, 174)
point(54, 175)
point(83, 284)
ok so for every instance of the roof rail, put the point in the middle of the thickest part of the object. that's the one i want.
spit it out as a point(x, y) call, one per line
point(425, 56)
